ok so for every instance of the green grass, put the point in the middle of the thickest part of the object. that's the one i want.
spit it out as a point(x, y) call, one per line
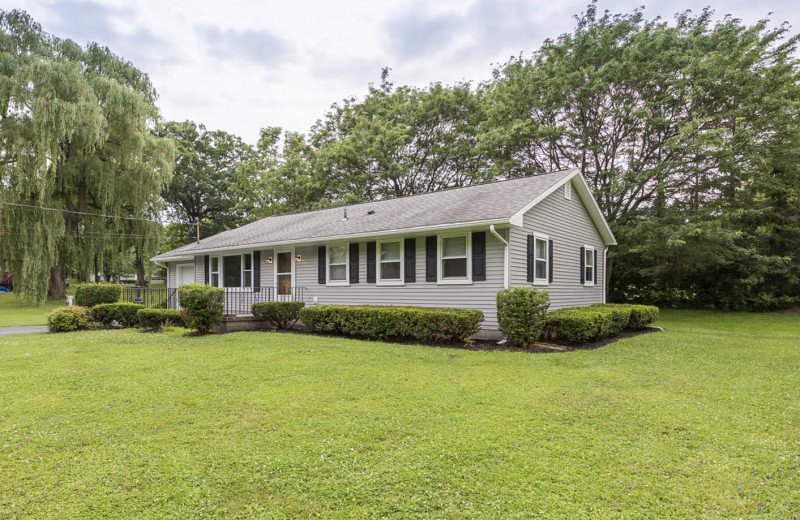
point(15, 312)
point(702, 421)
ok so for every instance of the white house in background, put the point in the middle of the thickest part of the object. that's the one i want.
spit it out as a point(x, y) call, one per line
point(452, 248)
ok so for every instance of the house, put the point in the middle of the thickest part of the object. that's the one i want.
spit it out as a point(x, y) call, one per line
point(452, 248)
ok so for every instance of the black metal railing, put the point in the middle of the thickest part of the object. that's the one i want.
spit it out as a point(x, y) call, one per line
point(239, 300)
point(151, 297)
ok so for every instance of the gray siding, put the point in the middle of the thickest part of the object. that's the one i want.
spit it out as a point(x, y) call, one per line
point(172, 277)
point(199, 269)
point(568, 224)
point(478, 295)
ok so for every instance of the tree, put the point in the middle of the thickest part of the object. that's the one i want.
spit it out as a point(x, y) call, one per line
point(74, 135)
point(203, 186)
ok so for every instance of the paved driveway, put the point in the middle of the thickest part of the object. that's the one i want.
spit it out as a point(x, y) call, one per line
point(27, 329)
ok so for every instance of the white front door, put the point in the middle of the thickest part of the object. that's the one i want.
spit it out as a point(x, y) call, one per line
point(284, 274)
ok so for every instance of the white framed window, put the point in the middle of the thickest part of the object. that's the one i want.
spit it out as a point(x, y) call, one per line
point(338, 261)
point(588, 266)
point(214, 271)
point(232, 271)
point(541, 259)
point(454, 253)
point(390, 262)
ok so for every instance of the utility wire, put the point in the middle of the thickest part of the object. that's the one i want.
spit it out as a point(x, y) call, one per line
point(157, 221)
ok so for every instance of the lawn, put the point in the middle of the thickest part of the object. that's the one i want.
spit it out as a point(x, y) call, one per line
point(702, 420)
point(15, 312)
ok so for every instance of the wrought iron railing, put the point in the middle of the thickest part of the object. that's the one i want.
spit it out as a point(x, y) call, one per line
point(238, 301)
point(151, 297)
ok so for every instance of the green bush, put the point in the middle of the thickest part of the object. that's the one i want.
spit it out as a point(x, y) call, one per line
point(283, 315)
point(428, 325)
point(91, 294)
point(521, 314)
point(157, 319)
point(582, 324)
point(123, 313)
point(204, 305)
point(67, 319)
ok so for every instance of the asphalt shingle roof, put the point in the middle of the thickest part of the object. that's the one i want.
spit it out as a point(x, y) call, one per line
point(483, 202)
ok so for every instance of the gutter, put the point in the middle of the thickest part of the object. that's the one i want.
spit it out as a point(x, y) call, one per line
point(505, 256)
point(605, 273)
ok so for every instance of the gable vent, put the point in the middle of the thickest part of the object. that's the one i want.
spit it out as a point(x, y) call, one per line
point(568, 190)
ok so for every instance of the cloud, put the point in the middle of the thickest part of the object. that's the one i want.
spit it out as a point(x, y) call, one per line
point(413, 35)
point(258, 46)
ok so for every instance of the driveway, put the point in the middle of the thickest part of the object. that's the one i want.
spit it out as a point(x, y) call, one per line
point(27, 329)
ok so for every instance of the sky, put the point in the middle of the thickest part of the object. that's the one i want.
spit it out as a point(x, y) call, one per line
point(239, 66)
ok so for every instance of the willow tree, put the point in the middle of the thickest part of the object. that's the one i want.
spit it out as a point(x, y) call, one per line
point(75, 135)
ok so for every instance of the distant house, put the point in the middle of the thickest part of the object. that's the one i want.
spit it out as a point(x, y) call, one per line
point(452, 248)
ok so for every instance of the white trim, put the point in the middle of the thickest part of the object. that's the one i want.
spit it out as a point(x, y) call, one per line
point(546, 280)
point(440, 279)
point(334, 238)
point(586, 281)
point(395, 282)
point(503, 241)
point(337, 283)
point(211, 271)
point(275, 268)
point(605, 256)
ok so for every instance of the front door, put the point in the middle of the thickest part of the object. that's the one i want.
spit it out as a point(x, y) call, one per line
point(284, 274)
point(184, 275)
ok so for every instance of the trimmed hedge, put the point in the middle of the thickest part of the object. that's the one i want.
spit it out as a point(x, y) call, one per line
point(156, 319)
point(428, 325)
point(91, 294)
point(521, 314)
point(123, 313)
point(283, 315)
point(582, 324)
point(204, 305)
point(67, 319)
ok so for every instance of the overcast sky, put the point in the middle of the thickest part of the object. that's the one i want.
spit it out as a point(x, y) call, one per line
point(242, 65)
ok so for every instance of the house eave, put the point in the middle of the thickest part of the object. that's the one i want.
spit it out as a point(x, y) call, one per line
point(184, 255)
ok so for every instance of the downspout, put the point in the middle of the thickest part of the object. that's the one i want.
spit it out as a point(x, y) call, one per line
point(505, 254)
point(165, 267)
point(605, 273)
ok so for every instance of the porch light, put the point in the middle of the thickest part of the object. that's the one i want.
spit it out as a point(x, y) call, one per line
point(299, 258)
point(269, 259)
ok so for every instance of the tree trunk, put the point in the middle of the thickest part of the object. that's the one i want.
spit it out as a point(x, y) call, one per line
point(58, 283)
point(140, 275)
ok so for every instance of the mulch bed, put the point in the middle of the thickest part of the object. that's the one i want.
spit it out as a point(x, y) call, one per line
point(540, 348)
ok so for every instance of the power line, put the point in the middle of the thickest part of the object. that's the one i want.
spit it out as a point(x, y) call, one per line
point(155, 221)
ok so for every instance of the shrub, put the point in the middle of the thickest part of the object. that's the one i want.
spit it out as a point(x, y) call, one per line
point(283, 315)
point(204, 305)
point(581, 324)
point(91, 294)
point(123, 313)
point(521, 313)
point(157, 319)
point(67, 319)
point(429, 325)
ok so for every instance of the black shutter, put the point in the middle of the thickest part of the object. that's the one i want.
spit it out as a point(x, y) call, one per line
point(321, 276)
point(370, 262)
point(410, 254)
point(550, 261)
point(479, 256)
point(256, 271)
point(207, 262)
point(354, 262)
point(430, 259)
point(583, 265)
point(594, 254)
point(530, 258)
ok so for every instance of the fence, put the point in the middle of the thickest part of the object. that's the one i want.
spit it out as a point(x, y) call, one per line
point(237, 300)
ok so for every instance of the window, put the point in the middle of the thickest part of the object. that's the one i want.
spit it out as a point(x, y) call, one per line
point(390, 264)
point(232, 270)
point(540, 259)
point(454, 251)
point(588, 265)
point(338, 256)
point(214, 271)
